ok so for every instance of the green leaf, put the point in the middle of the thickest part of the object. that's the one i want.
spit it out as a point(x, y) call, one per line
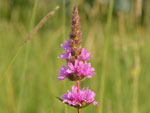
point(77, 107)
point(59, 98)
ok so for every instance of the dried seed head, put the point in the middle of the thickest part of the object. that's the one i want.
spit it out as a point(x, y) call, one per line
point(75, 35)
point(75, 25)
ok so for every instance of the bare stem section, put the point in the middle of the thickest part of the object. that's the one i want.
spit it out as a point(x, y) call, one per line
point(78, 85)
point(79, 110)
point(78, 90)
point(43, 21)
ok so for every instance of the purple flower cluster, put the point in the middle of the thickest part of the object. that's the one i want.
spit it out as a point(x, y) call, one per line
point(67, 48)
point(79, 69)
point(85, 96)
point(68, 56)
point(78, 66)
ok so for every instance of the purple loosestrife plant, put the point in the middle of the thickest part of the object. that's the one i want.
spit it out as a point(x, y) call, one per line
point(77, 67)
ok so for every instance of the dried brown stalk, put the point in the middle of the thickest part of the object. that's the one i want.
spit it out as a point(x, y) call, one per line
point(44, 19)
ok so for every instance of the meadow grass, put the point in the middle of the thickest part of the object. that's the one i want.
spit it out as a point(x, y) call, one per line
point(121, 62)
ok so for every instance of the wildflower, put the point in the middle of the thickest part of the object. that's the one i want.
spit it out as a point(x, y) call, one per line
point(76, 71)
point(66, 46)
point(85, 55)
point(81, 98)
point(77, 67)
point(63, 73)
point(66, 55)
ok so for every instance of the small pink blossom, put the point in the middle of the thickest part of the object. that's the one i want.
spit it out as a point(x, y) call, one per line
point(85, 55)
point(66, 55)
point(63, 73)
point(66, 46)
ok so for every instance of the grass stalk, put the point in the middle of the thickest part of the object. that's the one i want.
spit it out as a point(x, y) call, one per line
point(11, 97)
point(22, 85)
point(136, 73)
point(103, 76)
point(10, 64)
point(118, 79)
point(109, 16)
point(64, 35)
point(41, 23)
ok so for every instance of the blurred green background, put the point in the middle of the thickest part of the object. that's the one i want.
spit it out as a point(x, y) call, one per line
point(116, 32)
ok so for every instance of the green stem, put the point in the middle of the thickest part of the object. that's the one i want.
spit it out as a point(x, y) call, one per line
point(109, 17)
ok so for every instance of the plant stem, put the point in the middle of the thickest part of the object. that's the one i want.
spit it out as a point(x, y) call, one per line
point(109, 17)
point(79, 110)
point(43, 21)
point(78, 90)
point(78, 85)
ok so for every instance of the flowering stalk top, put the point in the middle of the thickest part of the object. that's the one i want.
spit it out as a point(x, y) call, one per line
point(77, 67)
point(76, 56)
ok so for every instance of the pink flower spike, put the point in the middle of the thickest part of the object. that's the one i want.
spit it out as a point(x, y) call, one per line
point(85, 55)
point(77, 67)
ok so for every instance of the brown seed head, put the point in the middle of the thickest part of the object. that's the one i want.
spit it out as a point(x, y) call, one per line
point(75, 35)
point(75, 25)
